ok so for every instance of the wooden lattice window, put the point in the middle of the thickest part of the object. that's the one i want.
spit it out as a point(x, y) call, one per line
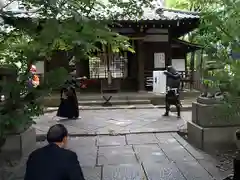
point(118, 66)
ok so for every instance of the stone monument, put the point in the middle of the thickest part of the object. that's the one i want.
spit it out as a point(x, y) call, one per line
point(208, 128)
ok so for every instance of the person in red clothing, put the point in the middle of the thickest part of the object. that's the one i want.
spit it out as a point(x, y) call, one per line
point(35, 81)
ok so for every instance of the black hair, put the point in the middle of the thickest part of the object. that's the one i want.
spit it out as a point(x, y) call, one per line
point(56, 133)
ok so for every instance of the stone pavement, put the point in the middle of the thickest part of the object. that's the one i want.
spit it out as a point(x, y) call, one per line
point(153, 156)
point(115, 121)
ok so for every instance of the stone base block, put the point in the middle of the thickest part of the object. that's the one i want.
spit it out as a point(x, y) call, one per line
point(212, 137)
point(19, 145)
point(208, 115)
point(203, 115)
point(194, 112)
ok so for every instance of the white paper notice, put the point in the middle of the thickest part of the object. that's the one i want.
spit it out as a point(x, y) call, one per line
point(159, 82)
point(159, 60)
point(178, 64)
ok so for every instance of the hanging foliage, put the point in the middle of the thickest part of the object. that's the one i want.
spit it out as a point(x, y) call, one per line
point(219, 34)
point(32, 30)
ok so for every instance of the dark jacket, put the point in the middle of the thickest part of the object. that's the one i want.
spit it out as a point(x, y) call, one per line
point(72, 81)
point(173, 78)
point(53, 163)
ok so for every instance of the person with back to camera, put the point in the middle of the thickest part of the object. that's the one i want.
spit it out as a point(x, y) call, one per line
point(172, 96)
point(53, 162)
point(68, 107)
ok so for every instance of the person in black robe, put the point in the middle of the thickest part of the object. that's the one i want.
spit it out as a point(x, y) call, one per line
point(72, 97)
point(68, 107)
point(173, 94)
point(72, 85)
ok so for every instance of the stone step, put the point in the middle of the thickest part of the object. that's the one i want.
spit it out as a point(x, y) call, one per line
point(114, 102)
point(185, 107)
point(125, 96)
point(160, 100)
point(56, 102)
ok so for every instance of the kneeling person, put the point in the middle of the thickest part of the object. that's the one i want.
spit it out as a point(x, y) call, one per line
point(53, 162)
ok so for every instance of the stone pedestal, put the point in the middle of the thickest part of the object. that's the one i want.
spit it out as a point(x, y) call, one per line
point(208, 115)
point(208, 130)
point(18, 145)
point(212, 137)
point(203, 115)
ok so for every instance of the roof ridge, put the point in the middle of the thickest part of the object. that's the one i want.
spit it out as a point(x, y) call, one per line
point(162, 9)
point(187, 42)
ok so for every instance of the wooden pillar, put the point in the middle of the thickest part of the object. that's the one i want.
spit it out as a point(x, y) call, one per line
point(168, 60)
point(82, 68)
point(140, 58)
point(192, 69)
point(201, 64)
point(132, 63)
point(185, 58)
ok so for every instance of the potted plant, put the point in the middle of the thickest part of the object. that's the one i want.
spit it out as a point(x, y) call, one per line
point(214, 81)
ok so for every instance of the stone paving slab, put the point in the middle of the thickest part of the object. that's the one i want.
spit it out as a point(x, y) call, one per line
point(105, 122)
point(192, 170)
point(150, 153)
point(165, 138)
point(123, 172)
point(116, 155)
point(163, 171)
point(141, 139)
point(92, 173)
point(79, 142)
point(111, 141)
point(197, 154)
point(87, 156)
point(176, 152)
point(168, 158)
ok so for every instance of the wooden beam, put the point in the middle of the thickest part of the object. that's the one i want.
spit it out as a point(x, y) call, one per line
point(136, 38)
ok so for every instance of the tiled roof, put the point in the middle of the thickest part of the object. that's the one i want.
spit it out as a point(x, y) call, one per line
point(164, 14)
point(172, 14)
point(187, 44)
point(156, 13)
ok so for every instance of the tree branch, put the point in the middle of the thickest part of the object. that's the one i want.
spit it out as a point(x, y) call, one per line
point(91, 7)
point(4, 6)
point(226, 33)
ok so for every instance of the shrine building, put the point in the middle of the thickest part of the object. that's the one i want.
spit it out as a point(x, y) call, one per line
point(156, 41)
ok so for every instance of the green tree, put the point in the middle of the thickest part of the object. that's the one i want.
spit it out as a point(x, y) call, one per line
point(40, 28)
point(219, 35)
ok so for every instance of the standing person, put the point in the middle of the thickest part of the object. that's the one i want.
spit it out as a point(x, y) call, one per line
point(53, 162)
point(172, 96)
point(72, 85)
point(35, 81)
point(32, 83)
point(72, 97)
point(63, 108)
point(68, 107)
